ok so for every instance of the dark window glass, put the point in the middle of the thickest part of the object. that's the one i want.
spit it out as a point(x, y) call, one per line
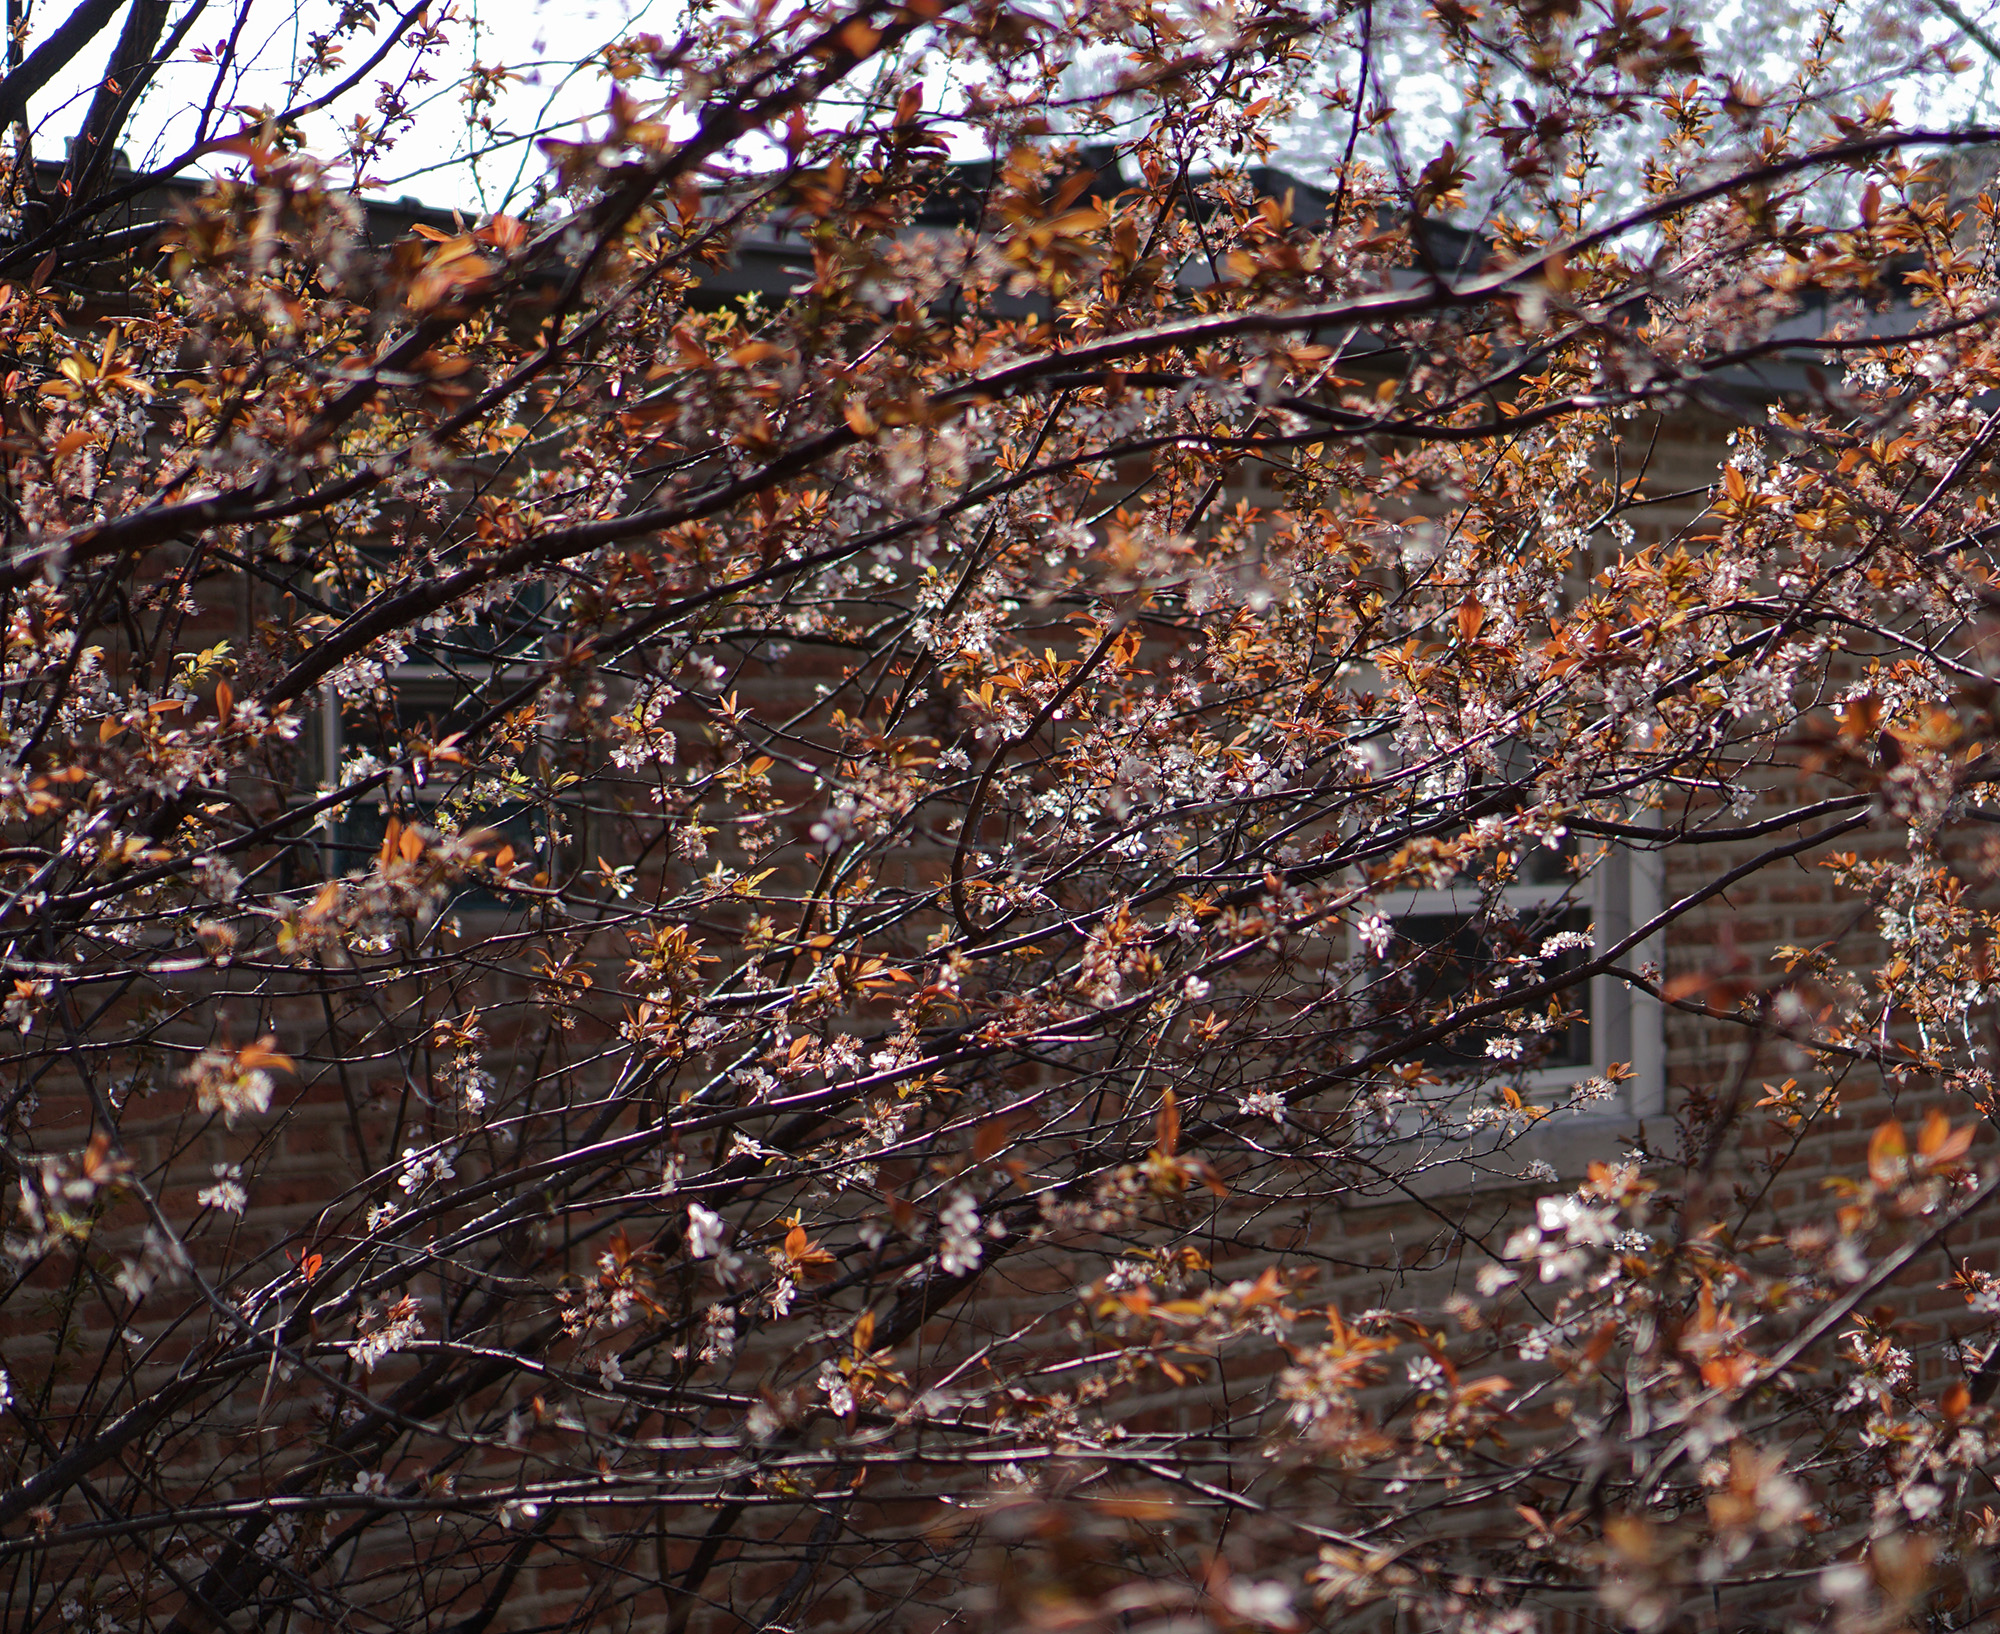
point(431, 710)
point(1444, 959)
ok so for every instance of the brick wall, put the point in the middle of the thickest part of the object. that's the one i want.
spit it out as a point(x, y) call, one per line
point(366, 1043)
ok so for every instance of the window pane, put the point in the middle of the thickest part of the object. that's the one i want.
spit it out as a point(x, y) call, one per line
point(1446, 958)
point(429, 708)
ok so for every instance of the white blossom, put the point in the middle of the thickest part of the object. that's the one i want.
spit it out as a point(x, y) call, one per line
point(227, 1194)
point(1263, 1103)
point(704, 1232)
point(1375, 933)
point(422, 1166)
point(718, 1333)
point(386, 1332)
point(959, 1247)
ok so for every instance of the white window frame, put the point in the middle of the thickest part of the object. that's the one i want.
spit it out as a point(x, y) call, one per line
point(1621, 892)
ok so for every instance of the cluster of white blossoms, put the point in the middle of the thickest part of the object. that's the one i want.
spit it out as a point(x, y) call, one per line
point(386, 1331)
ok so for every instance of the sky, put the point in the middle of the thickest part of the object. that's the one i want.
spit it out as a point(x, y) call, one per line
point(542, 43)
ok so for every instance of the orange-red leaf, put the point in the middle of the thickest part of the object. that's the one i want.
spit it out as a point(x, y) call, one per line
point(1888, 1153)
point(1938, 1143)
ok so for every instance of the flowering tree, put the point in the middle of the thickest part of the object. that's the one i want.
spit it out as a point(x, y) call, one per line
point(934, 943)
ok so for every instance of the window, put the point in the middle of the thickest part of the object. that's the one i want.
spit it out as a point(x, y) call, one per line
point(1445, 944)
point(1442, 957)
point(430, 704)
